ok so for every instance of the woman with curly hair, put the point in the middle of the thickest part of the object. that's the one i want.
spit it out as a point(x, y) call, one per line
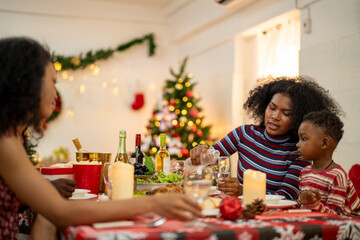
point(27, 96)
point(277, 106)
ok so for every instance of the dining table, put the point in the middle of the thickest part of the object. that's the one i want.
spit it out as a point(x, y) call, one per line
point(276, 225)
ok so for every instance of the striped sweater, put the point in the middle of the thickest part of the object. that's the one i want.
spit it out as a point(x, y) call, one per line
point(337, 192)
point(273, 155)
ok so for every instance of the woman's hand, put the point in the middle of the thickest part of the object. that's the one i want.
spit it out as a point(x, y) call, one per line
point(64, 186)
point(175, 206)
point(309, 197)
point(196, 152)
point(230, 186)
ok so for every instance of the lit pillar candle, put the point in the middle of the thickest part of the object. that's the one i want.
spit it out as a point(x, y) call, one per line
point(123, 181)
point(254, 186)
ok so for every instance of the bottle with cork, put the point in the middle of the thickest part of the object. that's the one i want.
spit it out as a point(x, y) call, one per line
point(121, 153)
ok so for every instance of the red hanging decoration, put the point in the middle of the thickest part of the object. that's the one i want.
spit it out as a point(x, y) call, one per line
point(139, 101)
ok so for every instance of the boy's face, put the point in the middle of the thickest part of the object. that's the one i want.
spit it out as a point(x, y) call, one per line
point(310, 141)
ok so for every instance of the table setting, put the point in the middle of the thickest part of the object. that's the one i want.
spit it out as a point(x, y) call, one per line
point(254, 215)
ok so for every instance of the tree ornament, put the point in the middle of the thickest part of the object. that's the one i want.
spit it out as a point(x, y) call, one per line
point(189, 94)
point(230, 208)
point(184, 152)
point(194, 113)
point(172, 102)
point(200, 133)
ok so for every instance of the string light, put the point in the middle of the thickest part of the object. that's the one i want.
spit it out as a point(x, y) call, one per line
point(71, 78)
point(179, 86)
point(180, 80)
point(196, 95)
point(177, 111)
point(182, 124)
point(190, 75)
point(198, 121)
point(189, 104)
point(185, 99)
point(158, 117)
point(194, 144)
point(157, 123)
point(187, 84)
point(179, 155)
point(184, 112)
point(202, 142)
point(174, 122)
point(171, 108)
point(57, 66)
point(82, 89)
point(116, 91)
point(64, 74)
point(190, 123)
point(177, 101)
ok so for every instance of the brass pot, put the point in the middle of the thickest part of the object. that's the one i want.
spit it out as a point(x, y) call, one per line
point(95, 156)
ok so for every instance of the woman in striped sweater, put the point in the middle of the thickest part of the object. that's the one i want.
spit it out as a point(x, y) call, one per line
point(324, 185)
point(278, 106)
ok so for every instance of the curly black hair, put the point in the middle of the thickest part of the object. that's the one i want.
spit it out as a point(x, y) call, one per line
point(305, 94)
point(329, 122)
point(22, 67)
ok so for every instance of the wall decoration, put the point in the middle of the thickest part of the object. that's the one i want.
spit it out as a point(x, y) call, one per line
point(79, 62)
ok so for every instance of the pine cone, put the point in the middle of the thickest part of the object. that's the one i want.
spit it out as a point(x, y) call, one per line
point(249, 211)
point(259, 206)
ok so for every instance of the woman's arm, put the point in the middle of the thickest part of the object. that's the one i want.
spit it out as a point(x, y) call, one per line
point(289, 187)
point(39, 194)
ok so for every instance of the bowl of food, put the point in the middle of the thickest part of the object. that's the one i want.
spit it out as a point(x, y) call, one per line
point(271, 199)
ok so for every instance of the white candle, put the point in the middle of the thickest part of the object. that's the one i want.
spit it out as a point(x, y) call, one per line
point(254, 186)
point(123, 181)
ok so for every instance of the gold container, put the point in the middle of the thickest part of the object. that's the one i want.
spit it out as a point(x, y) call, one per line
point(95, 156)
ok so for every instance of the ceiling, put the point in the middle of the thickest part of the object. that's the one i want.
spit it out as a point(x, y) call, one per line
point(153, 3)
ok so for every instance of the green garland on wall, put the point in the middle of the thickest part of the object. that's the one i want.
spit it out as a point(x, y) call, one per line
point(75, 62)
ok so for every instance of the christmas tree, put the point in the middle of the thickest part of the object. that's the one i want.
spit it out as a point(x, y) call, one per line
point(178, 115)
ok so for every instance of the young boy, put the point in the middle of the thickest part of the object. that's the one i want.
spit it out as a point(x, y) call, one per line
point(324, 185)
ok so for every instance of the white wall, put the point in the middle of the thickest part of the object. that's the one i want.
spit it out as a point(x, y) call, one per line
point(331, 54)
point(71, 27)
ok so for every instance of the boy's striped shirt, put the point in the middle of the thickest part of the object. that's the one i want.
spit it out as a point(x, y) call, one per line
point(273, 155)
point(337, 192)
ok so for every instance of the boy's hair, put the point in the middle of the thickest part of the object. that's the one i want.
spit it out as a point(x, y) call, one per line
point(329, 122)
point(305, 94)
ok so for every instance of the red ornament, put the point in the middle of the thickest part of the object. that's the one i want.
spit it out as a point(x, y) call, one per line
point(138, 101)
point(200, 133)
point(194, 113)
point(230, 208)
point(172, 103)
point(184, 152)
point(194, 129)
point(189, 94)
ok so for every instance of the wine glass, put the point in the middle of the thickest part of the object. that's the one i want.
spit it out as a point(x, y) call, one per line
point(108, 178)
point(222, 170)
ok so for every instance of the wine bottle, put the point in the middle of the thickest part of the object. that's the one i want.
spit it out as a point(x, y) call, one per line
point(137, 155)
point(162, 156)
point(121, 153)
point(78, 145)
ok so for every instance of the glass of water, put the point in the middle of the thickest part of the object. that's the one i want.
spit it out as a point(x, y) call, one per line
point(222, 170)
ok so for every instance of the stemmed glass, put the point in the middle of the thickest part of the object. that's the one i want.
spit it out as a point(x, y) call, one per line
point(222, 170)
point(197, 184)
point(108, 178)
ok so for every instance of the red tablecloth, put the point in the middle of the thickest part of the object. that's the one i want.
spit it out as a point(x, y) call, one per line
point(294, 226)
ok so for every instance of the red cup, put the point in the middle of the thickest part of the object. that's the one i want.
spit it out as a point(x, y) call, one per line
point(87, 176)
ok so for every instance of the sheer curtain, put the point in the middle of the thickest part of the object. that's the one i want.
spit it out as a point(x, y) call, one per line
point(278, 49)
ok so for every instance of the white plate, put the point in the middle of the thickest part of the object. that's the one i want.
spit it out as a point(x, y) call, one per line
point(80, 192)
point(270, 199)
point(86, 196)
point(282, 204)
point(149, 186)
point(211, 212)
